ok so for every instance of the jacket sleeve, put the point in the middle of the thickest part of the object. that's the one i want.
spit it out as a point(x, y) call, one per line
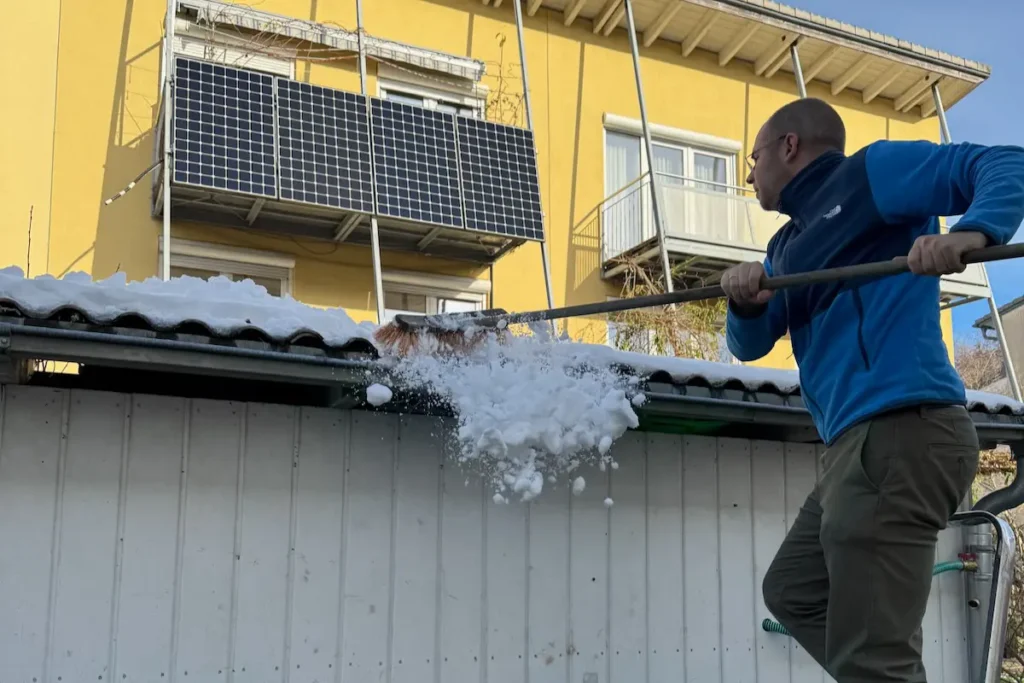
point(983, 185)
point(750, 337)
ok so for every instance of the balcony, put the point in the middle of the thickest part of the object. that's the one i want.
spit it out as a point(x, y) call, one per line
point(708, 228)
point(257, 151)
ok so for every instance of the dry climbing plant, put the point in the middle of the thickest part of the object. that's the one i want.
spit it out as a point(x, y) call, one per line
point(691, 330)
point(504, 102)
point(979, 364)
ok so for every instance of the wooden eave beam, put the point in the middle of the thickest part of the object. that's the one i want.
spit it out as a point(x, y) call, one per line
point(811, 71)
point(738, 41)
point(573, 11)
point(883, 82)
point(844, 79)
point(694, 37)
point(776, 50)
point(652, 32)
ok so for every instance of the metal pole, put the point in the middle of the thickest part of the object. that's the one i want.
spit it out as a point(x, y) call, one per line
point(165, 256)
point(378, 278)
point(544, 257)
point(997, 322)
point(941, 111)
point(798, 71)
point(655, 197)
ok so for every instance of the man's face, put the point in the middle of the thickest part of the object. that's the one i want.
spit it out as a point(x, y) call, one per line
point(770, 170)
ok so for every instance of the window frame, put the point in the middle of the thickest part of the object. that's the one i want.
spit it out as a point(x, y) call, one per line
point(233, 261)
point(435, 288)
point(432, 90)
point(688, 141)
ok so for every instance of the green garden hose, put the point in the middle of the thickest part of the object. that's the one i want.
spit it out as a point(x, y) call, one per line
point(942, 567)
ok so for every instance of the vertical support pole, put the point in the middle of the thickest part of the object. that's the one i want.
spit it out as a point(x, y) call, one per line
point(378, 278)
point(528, 105)
point(655, 195)
point(997, 322)
point(941, 112)
point(798, 70)
point(168, 59)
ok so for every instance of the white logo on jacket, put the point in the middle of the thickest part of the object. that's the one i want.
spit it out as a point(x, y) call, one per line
point(834, 212)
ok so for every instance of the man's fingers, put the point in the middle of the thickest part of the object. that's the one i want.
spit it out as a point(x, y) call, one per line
point(753, 284)
point(914, 258)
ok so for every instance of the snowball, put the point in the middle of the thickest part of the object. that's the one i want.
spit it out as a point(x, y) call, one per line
point(608, 502)
point(378, 394)
point(578, 485)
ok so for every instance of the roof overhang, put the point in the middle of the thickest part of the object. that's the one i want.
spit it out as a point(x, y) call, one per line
point(194, 366)
point(759, 33)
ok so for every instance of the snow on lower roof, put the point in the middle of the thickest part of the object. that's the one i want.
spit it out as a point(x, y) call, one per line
point(229, 308)
point(226, 307)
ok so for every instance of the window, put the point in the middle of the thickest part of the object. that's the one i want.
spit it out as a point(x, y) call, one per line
point(205, 260)
point(676, 164)
point(455, 97)
point(428, 294)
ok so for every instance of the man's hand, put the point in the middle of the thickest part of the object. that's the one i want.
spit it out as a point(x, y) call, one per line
point(943, 254)
point(742, 284)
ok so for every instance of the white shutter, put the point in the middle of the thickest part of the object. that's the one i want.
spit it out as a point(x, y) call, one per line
point(188, 46)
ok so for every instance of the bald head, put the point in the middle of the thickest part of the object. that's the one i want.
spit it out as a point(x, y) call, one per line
point(816, 124)
point(790, 139)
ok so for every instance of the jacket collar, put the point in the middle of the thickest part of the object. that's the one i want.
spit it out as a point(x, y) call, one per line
point(795, 196)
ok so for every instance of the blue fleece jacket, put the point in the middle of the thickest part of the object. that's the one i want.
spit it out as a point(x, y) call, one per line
point(872, 345)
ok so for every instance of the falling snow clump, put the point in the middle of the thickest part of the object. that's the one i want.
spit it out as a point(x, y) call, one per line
point(529, 408)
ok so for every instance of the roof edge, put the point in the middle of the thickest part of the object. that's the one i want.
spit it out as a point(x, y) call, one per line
point(950, 65)
point(753, 414)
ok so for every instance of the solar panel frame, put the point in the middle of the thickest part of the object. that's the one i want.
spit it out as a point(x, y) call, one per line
point(501, 186)
point(416, 164)
point(324, 155)
point(224, 128)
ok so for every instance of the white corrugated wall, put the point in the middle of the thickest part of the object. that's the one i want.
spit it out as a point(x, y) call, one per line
point(155, 539)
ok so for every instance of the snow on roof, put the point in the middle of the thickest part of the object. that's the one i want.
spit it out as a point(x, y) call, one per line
point(230, 309)
point(223, 306)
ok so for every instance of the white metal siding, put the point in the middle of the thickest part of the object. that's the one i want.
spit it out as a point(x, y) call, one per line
point(160, 539)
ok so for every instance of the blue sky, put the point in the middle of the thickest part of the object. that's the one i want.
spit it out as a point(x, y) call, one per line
point(986, 31)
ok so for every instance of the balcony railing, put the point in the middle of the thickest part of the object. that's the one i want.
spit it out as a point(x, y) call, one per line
point(718, 217)
point(710, 226)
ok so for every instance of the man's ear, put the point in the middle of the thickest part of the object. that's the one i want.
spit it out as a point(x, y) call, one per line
point(792, 147)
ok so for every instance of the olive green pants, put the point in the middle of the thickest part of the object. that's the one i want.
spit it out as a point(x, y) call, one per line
point(852, 578)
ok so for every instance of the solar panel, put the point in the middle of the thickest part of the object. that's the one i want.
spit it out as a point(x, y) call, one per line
point(416, 163)
point(499, 176)
point(224, 128)
point(324, 146)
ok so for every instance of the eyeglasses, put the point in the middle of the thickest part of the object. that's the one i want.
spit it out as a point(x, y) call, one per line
point(751, 159)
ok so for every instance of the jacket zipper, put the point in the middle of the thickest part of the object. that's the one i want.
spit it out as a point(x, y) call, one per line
point(860, 328)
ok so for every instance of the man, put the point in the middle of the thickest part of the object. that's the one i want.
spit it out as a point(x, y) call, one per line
point(852, 578)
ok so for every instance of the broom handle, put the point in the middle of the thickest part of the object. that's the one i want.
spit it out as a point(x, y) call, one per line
point(878, 269)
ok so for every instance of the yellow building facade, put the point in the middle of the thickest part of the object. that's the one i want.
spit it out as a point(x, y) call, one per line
point(87, 121)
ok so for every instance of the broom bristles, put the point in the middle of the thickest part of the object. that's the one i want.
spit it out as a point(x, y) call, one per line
point(404, 341)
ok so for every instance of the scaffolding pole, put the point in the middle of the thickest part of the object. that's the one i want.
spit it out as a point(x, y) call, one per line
point(168, 64)
point(378, 278)
point(544, 254)
point(655, 195)
point(997, 322)
point(798, 71)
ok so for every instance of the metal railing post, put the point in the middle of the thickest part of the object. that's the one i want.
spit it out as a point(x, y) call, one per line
point(655, 195)
point(997, 322)
point(378, 278)
point(168, 59)
point(798, 71)
point(528, 106)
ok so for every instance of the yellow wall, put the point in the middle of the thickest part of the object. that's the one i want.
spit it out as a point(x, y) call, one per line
point(86, 125)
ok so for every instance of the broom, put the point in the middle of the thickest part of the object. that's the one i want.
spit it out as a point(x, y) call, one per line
point(456, 332)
